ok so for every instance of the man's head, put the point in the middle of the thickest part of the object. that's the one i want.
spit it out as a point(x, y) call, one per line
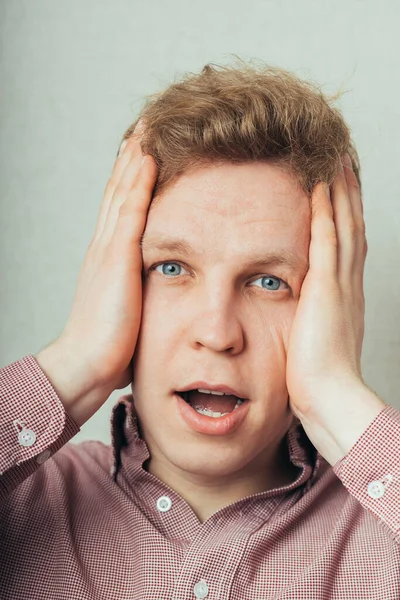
point(239, 152)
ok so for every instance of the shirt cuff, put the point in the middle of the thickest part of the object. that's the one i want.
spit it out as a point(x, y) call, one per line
point(33, 421)
point(371, 469)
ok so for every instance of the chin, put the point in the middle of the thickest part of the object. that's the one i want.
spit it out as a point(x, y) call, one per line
point(209, 462)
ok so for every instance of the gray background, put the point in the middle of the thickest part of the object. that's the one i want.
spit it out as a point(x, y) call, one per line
point(73, 76)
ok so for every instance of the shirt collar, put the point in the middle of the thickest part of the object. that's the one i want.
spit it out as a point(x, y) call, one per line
point(124, 432)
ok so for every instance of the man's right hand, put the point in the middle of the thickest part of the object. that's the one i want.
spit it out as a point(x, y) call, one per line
point(93, 355)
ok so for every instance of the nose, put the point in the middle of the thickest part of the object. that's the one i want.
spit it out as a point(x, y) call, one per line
point(216, 324)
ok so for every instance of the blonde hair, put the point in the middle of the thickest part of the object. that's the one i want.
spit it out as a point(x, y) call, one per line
point(244, 113)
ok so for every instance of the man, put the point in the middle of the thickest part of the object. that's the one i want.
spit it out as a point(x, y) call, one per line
point(225, 282)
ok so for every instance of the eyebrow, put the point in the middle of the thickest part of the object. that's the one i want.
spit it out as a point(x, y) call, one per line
point(283, 257)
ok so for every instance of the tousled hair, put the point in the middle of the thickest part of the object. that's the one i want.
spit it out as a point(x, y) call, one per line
point(243, 113)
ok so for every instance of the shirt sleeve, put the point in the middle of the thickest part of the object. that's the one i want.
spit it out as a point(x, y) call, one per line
point(33, 422)
point(371, 469)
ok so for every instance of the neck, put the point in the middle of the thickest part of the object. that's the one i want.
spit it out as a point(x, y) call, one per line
point(208, 495)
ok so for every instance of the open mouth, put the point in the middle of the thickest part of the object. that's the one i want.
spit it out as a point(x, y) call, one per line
point(211, 404)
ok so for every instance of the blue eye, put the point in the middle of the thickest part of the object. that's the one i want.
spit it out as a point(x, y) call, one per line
point(269, 280)
point(167, 269)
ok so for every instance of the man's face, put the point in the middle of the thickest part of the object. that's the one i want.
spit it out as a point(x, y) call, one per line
point(218, 314)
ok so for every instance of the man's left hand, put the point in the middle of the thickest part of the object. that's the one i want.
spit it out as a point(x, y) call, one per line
point(323, 374)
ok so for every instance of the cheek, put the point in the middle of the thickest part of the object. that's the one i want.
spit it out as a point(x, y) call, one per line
point(287, 323)
point(269, 356)
point(272, 329)
point(159, 320)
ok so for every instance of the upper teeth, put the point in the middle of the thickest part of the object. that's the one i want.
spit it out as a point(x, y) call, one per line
point(214, 392)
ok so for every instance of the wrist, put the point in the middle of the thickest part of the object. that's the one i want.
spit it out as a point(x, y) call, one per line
point(340, 417)
point(70, 380)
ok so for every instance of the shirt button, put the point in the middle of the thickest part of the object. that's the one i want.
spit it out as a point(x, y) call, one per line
point(201, 589)
point(164, 503)
point(376, 489)
point(27, 437)
point(42, 457)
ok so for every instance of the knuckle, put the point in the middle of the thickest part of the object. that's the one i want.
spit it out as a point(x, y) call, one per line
point(120, 196)
point(353, 181)
point(124, 210)
point(121, 191)
point(332, 239)
point(92, 246)
point(110, 186)
point(353, 231)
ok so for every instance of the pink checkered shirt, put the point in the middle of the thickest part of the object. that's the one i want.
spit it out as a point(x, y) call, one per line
point(86, 521)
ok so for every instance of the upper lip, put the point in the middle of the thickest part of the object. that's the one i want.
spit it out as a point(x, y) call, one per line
point(217, 387)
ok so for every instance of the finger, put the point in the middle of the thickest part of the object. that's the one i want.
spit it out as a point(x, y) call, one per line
point(120, 165)
point(122, 161)
point(361, 247)
point(345, 229)
point(126, 186)
point(132, 214)
point(323, 245)
point(358, 208)
point(358, 214)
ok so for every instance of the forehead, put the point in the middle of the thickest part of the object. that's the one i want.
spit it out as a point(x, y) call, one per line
point(230, 189)
point(253, 205)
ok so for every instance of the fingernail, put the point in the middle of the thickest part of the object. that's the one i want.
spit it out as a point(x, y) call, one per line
point(139, 127)
point(347, 161)
point(121, 148)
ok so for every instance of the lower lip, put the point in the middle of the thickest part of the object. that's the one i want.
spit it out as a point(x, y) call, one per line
point(211, 425)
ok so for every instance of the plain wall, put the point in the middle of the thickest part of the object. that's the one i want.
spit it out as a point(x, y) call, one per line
point(73, 76)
